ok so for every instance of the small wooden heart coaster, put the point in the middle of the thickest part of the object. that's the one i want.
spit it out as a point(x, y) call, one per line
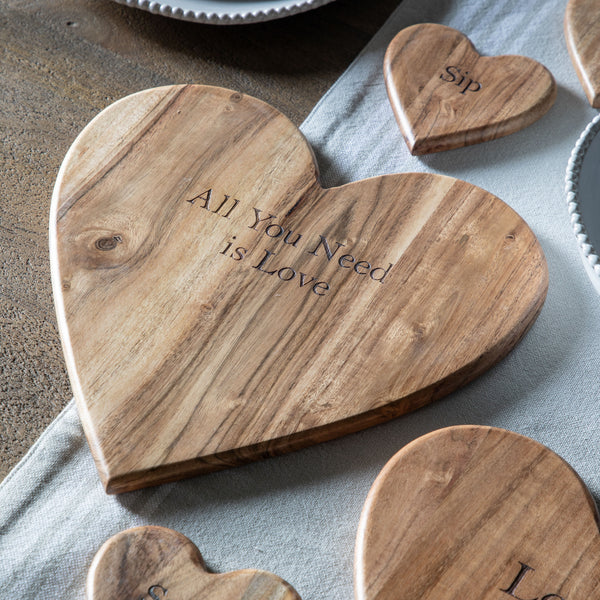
point(152, 563)
point(445, 95)
point(217, 305)
point(582, 32)
point(477, 512)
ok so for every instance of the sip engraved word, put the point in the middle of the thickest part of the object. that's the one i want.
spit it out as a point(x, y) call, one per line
point(451, 77)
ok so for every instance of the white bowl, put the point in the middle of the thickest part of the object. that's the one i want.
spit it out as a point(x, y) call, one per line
point(583, 197)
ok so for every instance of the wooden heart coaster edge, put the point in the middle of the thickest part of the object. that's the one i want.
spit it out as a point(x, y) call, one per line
point(592, 94)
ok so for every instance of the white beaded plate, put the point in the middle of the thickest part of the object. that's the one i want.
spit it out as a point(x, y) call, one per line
point(226, 12)
point(583, 197)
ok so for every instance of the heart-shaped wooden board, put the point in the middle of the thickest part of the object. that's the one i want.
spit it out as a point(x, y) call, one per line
point(477, 512)
point(217, 305)
point(445, 95)
point(152, 563)
point(582, 32)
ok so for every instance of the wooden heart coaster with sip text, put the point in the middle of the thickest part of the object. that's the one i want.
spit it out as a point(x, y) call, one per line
point(478, 512)
point(217, 305)
point(445, 95)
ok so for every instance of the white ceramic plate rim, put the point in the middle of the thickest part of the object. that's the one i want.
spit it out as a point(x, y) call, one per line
point(240, 12)
point(589, 253)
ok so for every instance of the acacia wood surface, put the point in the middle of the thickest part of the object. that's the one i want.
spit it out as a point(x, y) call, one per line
point(463, 512)
point(445, 95)
point(152, 563)
point(65, 60)
point(582, 32)
point(217, 305)
point(476, 512)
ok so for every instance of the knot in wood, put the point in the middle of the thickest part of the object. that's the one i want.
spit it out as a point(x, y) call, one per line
point(108, 243)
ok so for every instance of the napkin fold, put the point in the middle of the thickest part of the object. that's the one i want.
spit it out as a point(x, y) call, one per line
point(297, 515)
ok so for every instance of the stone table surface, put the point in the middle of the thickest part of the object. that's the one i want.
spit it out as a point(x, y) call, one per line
point(62, 62)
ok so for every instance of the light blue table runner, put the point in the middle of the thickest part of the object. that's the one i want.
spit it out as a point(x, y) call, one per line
point(297, 515)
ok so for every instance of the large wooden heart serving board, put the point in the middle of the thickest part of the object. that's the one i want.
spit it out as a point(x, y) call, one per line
point(477, 512)
point(217, 305)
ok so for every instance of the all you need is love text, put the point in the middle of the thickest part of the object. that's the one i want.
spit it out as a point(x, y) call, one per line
point(268, 263)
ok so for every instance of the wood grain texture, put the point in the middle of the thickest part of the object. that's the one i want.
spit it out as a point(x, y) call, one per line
point(217, 305)
point(582, 33)
point(445, 95)
point(66, 60)
point(477, 512)
point(152, 563)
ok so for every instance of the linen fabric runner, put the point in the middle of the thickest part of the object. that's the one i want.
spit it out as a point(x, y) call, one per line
point(297, 515)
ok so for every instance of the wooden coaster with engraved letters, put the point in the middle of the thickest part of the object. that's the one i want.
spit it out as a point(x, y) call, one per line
point(582, 32)
point(445, 95)
point(463, 512)
point(477, 512)
point(156, 563)
point(217, 305)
